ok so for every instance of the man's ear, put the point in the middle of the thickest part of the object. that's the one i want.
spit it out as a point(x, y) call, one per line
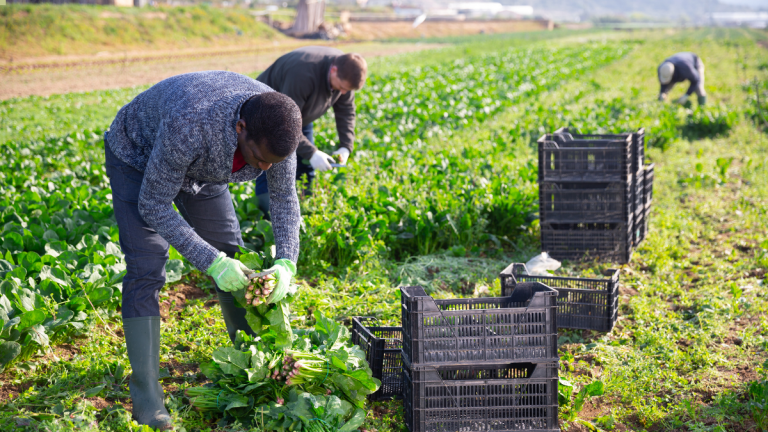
point(240, 126)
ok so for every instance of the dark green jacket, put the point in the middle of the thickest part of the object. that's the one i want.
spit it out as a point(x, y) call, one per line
point(302, 75)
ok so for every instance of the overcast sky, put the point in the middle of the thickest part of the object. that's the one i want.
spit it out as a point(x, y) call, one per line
point(756, 3)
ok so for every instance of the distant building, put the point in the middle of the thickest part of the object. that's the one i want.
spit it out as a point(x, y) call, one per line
point(463, 10)
point(739, 19)
point(490, 9)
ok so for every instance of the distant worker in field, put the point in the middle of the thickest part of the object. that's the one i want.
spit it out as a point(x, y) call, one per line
point(684, 66)
point(182, 142)
point(317, 78)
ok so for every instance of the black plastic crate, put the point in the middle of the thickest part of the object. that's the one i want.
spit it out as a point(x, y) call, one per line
point(638, 143)
point(473, 398)
point(641, 231)
point(520, 327)
point(648, 184)
point(607, 241)
point(382, 346)
point(585, 202)
point(638, 194)
point(582, 303)
point(564, 160)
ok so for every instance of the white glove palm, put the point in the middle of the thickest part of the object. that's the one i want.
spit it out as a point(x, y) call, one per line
point(321, 161)
point(682, 99)
point(343, 154)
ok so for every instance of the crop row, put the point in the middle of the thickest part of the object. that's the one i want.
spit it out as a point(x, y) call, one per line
point(408, 193)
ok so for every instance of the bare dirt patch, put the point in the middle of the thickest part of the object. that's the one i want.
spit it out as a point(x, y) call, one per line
point(384, 30)
point(155, 15)
point(109, 14)
point(99, 403)
point(63, 352)
point(178, 370)
point(627, 291)
point(118, 70)
point(181, 294)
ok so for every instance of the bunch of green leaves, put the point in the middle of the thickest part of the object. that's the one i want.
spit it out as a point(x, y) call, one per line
point(247, 375)
point(312, 413)
point(268, 321)
point(243, 373)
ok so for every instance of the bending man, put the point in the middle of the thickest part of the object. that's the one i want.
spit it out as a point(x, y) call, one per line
point(684, 66)
point(181, 142)
point(317, 78)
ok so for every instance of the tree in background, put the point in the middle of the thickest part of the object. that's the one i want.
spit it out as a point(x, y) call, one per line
point(309, 16)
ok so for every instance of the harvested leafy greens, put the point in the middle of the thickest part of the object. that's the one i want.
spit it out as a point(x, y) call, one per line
point(287, 379)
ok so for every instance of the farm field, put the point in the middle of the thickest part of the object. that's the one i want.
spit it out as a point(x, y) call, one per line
point(442, 192)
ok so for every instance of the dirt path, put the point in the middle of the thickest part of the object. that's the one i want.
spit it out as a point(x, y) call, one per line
point(100, 73)
point(401, 29)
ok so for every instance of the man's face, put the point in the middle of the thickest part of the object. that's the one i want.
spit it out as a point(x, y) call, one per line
point(339, 84)
point(255, 154)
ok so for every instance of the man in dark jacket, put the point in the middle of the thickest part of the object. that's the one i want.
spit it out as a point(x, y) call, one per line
point(317, 78)
point(181, 142)
point(684, 66)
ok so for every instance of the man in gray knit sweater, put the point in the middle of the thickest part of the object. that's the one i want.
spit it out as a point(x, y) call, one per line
point(181, 142)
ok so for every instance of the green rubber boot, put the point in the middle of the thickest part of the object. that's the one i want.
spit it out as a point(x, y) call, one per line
point(142, 338)
point(234, 316)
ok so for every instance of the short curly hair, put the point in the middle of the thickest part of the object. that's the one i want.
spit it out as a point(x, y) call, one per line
point(274, 118)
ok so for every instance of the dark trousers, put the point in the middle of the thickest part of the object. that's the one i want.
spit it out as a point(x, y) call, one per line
point(262, 190)
point(210, 213)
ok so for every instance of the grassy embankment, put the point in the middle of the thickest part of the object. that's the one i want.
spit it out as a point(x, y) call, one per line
point(44, 30)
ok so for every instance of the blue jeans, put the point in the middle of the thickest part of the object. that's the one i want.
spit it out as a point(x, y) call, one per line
point(210, 213)
point(301, 169)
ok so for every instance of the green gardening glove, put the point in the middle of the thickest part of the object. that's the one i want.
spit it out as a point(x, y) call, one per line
point(284, 272)
point(228, 273)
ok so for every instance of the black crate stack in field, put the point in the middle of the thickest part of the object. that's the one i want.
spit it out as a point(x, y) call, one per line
point(480, 364)
point(582, 303)
point(592, 195)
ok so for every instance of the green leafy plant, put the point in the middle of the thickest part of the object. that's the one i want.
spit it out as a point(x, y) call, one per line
point(709, 122)
point(571, 404)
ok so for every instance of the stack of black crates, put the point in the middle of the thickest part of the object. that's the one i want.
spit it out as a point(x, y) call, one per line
point(475, 364)
point(592, 195)
point(480, 364)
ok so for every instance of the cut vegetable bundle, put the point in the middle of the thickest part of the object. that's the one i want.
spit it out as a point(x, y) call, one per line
point(271, 378)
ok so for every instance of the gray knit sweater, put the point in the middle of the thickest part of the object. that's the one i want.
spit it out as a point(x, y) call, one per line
point(181, 134)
